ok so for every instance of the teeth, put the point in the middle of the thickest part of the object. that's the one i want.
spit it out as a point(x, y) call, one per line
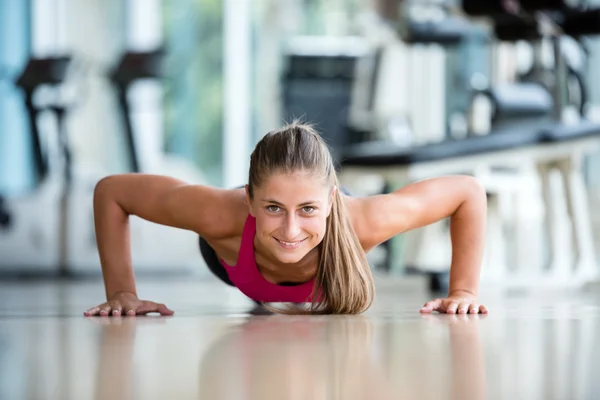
point(289, 243)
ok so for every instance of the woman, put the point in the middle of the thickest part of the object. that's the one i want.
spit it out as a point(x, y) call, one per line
point(289, 235)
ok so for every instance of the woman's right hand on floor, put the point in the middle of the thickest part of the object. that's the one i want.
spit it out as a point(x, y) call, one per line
point(125, 303)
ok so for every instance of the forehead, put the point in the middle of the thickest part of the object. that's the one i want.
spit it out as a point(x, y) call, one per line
point(293, 188)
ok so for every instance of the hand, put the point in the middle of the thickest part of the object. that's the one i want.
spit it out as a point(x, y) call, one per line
point(125, 303)
point(455, 303)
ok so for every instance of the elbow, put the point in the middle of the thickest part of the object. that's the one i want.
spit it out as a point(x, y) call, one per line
point(103, 187)
point(105, 190)
point(479, 191)
point(476, 188)
point(470, 194)
point(475, 193)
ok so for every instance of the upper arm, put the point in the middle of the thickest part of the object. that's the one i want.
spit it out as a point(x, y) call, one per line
point(381, 217)
point(210, 212)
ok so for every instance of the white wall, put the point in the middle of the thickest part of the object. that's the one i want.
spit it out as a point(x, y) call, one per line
point(237, 118)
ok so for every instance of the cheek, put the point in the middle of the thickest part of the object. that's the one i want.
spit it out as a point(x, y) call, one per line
point(317, 226)
point(266, 226)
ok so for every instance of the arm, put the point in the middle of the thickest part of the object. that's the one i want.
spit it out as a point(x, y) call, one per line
point(157, 199)
point(461, 198)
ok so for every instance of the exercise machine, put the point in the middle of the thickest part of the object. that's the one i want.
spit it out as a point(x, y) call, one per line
point(549, 143)
point(50, 231)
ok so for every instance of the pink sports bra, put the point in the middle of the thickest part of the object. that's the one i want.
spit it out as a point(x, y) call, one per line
point(248, 279)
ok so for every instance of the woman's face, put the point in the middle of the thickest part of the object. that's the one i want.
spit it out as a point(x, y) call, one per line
point(291, 213)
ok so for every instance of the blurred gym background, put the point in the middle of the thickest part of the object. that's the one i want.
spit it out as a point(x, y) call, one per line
point(401, 90)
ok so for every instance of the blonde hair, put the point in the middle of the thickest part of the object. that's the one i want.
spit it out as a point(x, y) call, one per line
point(343, 282)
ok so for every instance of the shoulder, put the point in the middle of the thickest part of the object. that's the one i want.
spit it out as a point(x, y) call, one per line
point(377, 218)
point(215, 213)
point(359, 212)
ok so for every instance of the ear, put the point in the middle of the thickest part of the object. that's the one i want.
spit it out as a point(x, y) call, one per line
point(248, 199)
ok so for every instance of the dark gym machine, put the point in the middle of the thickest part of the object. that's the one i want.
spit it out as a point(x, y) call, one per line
point(52, 72)
point(132, 67)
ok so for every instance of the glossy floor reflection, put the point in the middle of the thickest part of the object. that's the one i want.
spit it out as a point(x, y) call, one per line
point(531, 346)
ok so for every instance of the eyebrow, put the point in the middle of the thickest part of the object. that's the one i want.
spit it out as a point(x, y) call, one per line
point(299, 205)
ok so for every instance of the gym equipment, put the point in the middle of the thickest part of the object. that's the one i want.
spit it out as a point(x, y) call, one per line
point(5, 217)
point(132, 67)
point(38, 72)
point(548, 143)
point(317, 85)
point(51, 230)
point(35, 239)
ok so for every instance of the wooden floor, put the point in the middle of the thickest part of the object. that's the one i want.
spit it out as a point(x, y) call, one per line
point(531, 346)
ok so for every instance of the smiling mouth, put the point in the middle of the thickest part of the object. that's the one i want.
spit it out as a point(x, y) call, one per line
point(290, 245)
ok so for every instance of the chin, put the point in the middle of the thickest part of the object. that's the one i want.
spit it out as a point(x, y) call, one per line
point(289, 257)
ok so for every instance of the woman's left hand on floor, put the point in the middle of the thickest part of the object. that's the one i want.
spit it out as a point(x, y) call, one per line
point(455, 304)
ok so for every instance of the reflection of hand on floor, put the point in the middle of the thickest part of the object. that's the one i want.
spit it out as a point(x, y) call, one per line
point(115, 363)
point(453, 319)
point(466, 353)
point(128, 321)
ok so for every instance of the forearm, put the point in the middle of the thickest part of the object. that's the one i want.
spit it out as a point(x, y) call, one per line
point(467, 232)
point(151, 197)
point(113, 241)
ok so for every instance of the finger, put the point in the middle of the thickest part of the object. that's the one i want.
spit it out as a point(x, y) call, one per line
point(474, 308)
point(151, 307)
point(92, 311)
point(117, 309)
point(431, 306)
point(483, 309)
point(164, 310)
point(452, 307)
point(463, 308)
point(129, 311)
point(105, 310)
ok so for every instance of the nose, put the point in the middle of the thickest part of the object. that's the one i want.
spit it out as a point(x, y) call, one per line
point(291, 228)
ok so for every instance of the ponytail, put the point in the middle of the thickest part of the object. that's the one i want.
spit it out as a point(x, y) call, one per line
point(343, 284)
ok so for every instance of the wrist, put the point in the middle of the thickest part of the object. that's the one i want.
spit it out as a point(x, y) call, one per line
point(121, 293)
point(462, 293)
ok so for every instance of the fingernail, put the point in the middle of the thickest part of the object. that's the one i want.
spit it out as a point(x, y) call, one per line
point(115, 313)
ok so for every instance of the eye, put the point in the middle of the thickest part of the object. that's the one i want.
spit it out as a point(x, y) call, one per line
point(272, 208)
point(308, 209)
